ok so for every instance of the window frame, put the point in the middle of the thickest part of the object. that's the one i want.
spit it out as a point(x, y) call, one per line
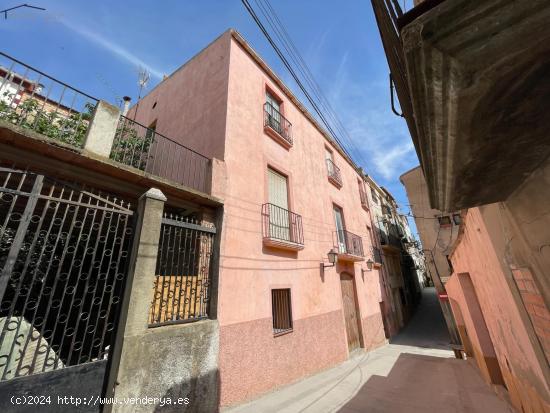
point(275, 312)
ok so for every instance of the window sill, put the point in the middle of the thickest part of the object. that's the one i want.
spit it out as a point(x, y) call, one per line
point(282, 333)
point(277, 137)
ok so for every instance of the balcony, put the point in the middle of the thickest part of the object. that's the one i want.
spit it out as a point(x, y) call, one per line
point(333, 173)
point(348, 245)
point(364, 199)
point(282, 228)
point(389, 239)
point(471, 77)
point(67, 117)
point(277, 126)
point(376, 257)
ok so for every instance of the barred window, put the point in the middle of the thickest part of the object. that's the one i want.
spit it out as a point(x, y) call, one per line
point(282, 311)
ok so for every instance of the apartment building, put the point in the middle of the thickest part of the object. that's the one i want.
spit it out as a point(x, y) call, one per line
point(486, 154)
point(299, 288)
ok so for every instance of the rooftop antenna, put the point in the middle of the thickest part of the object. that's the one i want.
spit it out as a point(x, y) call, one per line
point(17, 7)
point(143, 79)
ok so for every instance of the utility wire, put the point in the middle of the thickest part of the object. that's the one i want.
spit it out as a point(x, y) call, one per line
point(292, 50)
point(289, 46)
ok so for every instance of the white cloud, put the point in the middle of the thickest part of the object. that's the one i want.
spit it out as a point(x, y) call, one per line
point(113, 48)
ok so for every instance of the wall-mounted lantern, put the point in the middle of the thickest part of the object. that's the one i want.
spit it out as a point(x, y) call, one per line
point(370, 264)
point(332, 259)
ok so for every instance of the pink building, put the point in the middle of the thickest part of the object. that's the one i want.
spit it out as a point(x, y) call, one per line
point(291, 195)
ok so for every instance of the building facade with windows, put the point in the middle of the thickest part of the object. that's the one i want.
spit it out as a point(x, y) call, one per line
point(292, 199)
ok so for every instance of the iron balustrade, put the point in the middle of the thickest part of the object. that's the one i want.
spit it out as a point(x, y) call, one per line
point(334, 172)
point(281, 225)
point(34, 100)
point(182, 286)
point(147, 150)
point(348, 243)
point(276, 121)
point(376, 255)
point(364, 198)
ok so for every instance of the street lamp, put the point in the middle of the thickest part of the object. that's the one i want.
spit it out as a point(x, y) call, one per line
point(332, 259)
point(370, 264)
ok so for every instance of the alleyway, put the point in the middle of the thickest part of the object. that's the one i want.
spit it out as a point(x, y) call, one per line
point(415, 373)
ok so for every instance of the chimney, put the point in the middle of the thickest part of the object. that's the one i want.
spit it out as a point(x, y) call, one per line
point(126, 106)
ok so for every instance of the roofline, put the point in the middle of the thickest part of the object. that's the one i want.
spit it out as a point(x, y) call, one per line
point(408, 172)
point(257, 58)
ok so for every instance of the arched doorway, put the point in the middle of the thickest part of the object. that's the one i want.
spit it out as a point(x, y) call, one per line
point(351, 313)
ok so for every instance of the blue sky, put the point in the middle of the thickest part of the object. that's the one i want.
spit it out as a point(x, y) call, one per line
point(97, 46)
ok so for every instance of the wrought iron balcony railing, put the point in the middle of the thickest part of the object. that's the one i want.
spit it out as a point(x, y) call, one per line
point(364, 198)
point(34, 100)
point(145, 149)
point(333, 172)
point(348, 243)
point(277, 122)
point(388, 238)
point(281, 225)
point(376, 255)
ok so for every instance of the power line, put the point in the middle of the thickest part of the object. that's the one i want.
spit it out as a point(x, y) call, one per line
point(286, 63)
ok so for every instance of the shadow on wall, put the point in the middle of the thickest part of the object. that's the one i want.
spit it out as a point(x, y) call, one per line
point(199, 391)
point(419, 383)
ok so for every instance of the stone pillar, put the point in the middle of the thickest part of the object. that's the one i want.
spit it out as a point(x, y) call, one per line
point(102, 129)
point(137, 301)
point(144, 260)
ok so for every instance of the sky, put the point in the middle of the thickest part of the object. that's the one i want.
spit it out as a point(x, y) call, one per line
point(99, 46)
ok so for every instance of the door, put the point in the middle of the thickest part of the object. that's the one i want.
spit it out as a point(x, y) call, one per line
point(340, 236)
point(329, 160)
point(350, 311)
point(279, 222)
point(273, 109)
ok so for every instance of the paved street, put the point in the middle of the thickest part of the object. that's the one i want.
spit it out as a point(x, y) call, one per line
point(415, 373)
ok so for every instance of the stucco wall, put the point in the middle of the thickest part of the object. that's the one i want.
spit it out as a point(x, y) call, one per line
point(249, 270)
point(190, 105)
point(481, 253)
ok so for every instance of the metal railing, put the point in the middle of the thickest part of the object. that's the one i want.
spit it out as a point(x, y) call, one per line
point(147, 150)
point(364, 197)
point(348, 243)
point(276, 121)
point(376, 255)
point(282, 225)
point(388, 238)
point(334, 172)
point(34, 100)
point(182, 285)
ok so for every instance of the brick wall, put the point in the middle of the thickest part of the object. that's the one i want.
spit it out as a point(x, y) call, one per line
point(535, 306)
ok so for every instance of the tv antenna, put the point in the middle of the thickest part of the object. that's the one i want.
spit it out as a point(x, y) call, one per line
point(20, 6)
point(143, 79)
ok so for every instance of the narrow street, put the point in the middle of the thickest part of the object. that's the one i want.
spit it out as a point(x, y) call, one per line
point(415, 373)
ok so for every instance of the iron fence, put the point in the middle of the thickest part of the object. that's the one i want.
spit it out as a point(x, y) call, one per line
point(145, 149)
point(34, 100)
point(334, 172)
point(348, 243)
point(276, 121)
point(64, 252)
point(281, 224)
point(182, 284)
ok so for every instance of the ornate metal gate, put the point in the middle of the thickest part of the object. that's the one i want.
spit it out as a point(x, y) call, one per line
point(64, 251)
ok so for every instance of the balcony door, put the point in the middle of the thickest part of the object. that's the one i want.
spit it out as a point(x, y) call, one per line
point(273, 109)
point(279, 220)
point(340, 236)
point(329, 160)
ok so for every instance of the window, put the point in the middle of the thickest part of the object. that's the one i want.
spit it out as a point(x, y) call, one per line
point(279, 222)
point(444, 220)
point(282, 311)
point(340, 228)
point(273, 101)
point(456, 219)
